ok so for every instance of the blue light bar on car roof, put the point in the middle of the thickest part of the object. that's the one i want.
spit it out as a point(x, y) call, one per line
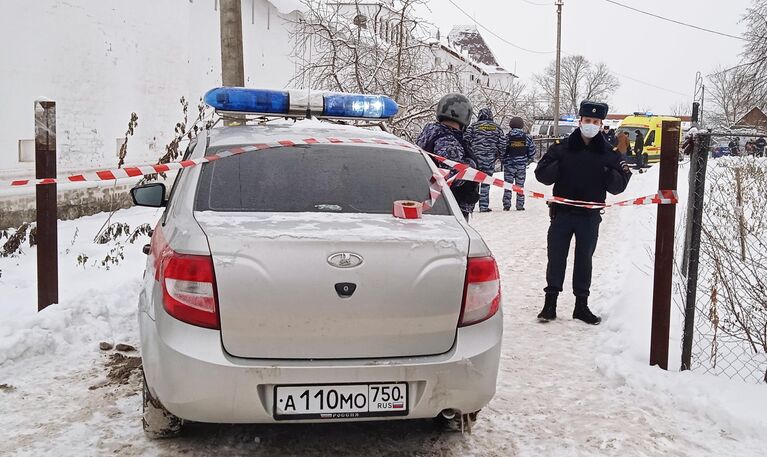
point(358, 105)
point(299, 103)
point(238, 99)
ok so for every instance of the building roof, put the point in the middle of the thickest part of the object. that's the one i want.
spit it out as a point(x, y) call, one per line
point(467, 38)
point(463, 42)
point(753, 119)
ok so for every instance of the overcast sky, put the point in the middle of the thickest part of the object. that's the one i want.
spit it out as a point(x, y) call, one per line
point(633, 45)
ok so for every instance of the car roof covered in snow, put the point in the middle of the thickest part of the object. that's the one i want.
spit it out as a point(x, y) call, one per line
point(291, 130)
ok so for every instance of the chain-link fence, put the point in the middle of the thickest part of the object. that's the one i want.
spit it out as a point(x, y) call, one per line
point(724, 270)
point(542, 145)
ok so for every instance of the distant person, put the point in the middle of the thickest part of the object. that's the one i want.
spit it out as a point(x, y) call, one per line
point(760, 145)
point(609, 135)
point(518, 154)
point(750, 148)
point(487, 142)
point(734, 146)
point(623, 144)
point(639, 148)
point(445, 139)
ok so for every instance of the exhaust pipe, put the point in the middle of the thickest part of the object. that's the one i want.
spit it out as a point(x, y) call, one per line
point(448, 413)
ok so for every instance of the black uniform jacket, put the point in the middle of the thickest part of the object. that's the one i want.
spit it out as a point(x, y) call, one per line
point(581, 172)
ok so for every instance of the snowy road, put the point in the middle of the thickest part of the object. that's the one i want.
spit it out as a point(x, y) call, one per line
point(559, 393)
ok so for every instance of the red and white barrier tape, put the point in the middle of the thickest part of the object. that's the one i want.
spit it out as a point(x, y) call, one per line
point(437, 182)
point(466, 173)
point(143, 170)
point(407, 209)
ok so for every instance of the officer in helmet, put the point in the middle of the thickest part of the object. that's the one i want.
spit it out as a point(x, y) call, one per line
point(446, 138)
point(581, 167)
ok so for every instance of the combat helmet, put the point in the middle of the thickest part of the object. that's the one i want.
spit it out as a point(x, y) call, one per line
point(455, 107)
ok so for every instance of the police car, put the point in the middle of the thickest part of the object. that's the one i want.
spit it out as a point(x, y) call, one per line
point(280, 287)
point(544, 127)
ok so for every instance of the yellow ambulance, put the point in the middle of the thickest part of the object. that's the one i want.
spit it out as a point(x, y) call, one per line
point(650, 127)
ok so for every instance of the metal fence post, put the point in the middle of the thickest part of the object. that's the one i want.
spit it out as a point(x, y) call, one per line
point(694, 169)
point(664, 246)
point(695, 223)
point(46, 209)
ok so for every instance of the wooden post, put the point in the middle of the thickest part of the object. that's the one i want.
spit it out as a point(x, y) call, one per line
point(46, 209)
point(664, 247)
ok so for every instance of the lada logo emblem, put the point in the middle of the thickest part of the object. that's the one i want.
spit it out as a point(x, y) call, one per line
point(345, 260)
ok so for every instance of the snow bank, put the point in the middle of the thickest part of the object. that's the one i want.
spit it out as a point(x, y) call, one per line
point(625, 346)
point(97, 297)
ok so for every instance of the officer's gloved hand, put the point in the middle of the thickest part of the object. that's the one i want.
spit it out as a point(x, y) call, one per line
point(624, 166)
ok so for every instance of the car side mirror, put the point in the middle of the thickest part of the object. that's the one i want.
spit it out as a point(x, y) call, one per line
point(151, 195)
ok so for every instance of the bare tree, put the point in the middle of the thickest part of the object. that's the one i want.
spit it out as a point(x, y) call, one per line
point(754, 56)
point(580, 80)
point(366, 47)
point(738, 89)
point(732, 94)
point(382, 47)
point(681, 109)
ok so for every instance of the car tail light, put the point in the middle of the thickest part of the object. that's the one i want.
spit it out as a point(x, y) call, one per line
point(482, 293)
point(189, 289)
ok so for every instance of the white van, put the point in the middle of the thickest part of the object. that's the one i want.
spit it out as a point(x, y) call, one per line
point(544, 127)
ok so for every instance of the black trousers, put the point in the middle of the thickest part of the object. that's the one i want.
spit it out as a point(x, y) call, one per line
point(565, 223)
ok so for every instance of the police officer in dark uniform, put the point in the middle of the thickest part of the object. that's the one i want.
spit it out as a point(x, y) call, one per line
point(582, 167)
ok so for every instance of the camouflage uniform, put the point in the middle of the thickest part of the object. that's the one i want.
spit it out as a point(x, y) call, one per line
point(518, 154)
point(447, 142)
point(487, 142)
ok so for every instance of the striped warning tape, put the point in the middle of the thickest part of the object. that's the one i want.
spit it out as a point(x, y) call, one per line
point(466, 173)
point(437, 182)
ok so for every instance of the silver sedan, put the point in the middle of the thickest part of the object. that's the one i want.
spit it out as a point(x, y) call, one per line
point(280, 287)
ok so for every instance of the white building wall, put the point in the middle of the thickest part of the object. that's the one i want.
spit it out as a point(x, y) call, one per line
point(100, 60)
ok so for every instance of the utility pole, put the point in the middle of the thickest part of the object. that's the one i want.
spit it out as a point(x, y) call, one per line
point(232, 67)
point(559, 4)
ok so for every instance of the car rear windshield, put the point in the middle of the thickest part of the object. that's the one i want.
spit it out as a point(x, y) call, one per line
point(316, 178)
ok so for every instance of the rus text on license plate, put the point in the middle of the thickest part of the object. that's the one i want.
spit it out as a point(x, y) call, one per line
point(340, 401)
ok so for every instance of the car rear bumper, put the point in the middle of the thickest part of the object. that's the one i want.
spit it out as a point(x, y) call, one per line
point(189, 372)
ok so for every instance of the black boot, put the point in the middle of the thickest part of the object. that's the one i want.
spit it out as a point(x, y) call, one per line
point(549, 312)
point(582, 311)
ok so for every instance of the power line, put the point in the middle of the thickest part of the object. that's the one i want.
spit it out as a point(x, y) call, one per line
point(746, 64)
point(651, 85)
point(495, 34)
point(552, 52)
point(675, 21)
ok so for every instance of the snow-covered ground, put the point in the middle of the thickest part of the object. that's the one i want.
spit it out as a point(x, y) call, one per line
point(564, 388)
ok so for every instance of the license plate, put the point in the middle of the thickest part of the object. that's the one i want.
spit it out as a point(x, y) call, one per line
point(342, 401)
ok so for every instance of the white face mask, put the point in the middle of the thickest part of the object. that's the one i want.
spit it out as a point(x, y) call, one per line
point(590, 130)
